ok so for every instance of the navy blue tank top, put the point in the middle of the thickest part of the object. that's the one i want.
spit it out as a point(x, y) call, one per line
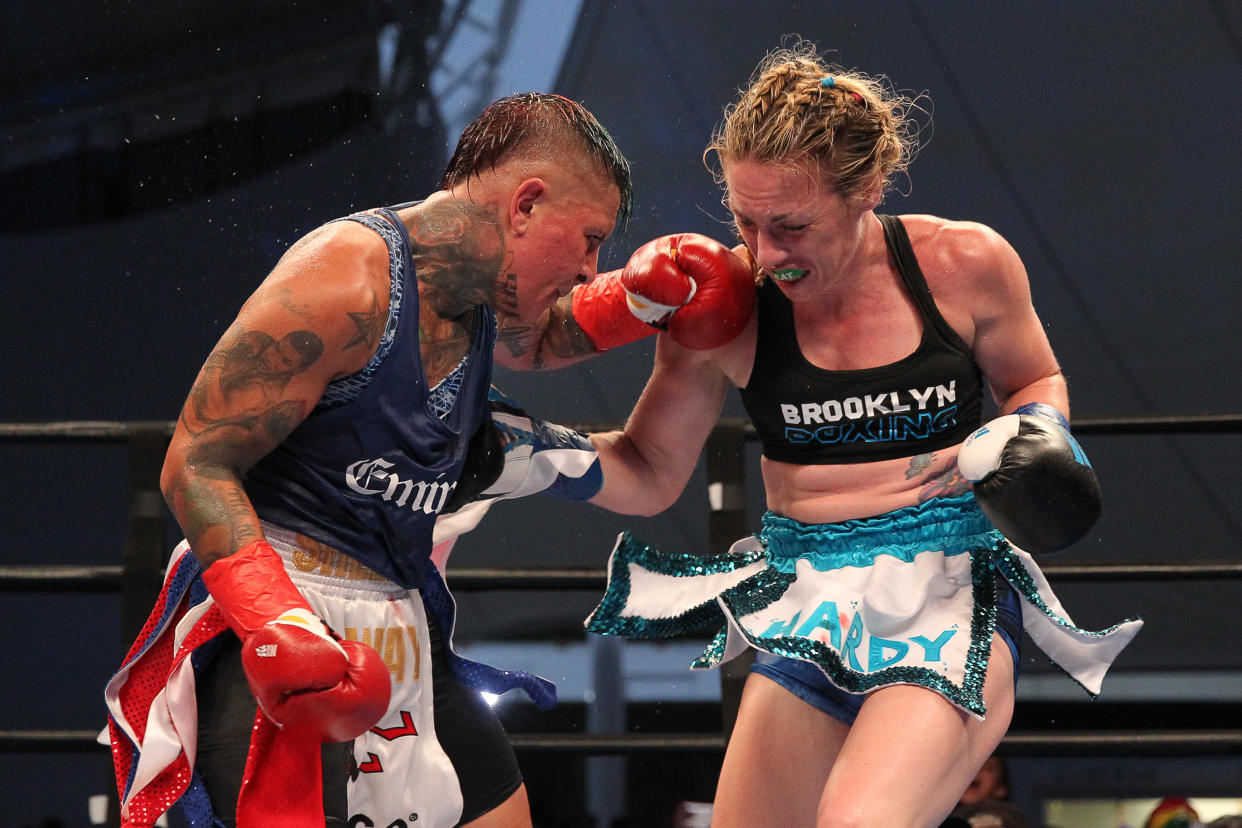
point(930, 400)
point(370, 468)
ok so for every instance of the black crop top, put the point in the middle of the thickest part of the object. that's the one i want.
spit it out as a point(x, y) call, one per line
point(930, 400)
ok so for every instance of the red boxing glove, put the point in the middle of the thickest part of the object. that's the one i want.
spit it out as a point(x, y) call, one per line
point(301, 674)
point(303, 679)
point(688, 284)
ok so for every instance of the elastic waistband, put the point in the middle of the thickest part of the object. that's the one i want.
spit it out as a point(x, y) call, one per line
point(311, 560)
point(952, 525)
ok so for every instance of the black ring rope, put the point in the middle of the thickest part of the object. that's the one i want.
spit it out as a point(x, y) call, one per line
point(1197, 743)
point(40, 578)
point(99, 579)
point(112, 431)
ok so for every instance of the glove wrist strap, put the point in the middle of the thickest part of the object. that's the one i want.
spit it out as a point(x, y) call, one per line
point(251, 587)
point(602, 310)
point(1038, 409)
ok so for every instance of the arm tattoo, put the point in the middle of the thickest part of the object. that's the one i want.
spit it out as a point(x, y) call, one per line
point(241, 384)
point(370, 325)
point(236, 412)
point(216, 517)
point(285, 297)
point(239, 510)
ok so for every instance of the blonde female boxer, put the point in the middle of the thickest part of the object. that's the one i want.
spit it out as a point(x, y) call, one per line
point(885, 604)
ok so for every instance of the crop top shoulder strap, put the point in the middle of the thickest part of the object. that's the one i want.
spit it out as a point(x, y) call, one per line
point(914, 280)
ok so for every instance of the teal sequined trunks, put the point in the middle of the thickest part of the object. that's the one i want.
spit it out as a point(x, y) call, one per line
point(907, 597)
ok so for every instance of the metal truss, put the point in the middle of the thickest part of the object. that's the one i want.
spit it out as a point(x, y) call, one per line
point(466, 54)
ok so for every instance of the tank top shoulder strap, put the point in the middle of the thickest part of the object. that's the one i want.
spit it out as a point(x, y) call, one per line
point(916, 283)
point(382, 220)
point(389, 227)
point(484, 314)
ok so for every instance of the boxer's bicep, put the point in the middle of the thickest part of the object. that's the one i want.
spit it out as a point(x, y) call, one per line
point(1010, 343)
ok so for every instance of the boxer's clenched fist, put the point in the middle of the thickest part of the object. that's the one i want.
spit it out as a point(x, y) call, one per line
point(300, 673)
point(1032, 479)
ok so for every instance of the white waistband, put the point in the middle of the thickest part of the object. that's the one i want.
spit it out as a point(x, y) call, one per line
point(310, 561)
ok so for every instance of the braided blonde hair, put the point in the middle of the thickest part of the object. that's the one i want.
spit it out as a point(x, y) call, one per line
point(800, 108)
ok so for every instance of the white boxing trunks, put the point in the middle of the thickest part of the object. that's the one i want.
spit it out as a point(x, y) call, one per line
point(184, 726)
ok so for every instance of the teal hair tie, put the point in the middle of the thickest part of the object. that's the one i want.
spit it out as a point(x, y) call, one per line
point(828, 80)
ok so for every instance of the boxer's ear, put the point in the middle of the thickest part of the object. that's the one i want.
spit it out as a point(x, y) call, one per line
point(522, 203)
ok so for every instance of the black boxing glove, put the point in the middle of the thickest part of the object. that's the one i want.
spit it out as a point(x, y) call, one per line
point(1032, 479)
point(485, 460)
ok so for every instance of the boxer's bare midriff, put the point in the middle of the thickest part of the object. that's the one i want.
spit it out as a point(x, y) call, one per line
point(830, 494)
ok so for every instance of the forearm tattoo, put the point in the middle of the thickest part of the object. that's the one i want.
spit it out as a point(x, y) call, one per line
point(216, 516)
